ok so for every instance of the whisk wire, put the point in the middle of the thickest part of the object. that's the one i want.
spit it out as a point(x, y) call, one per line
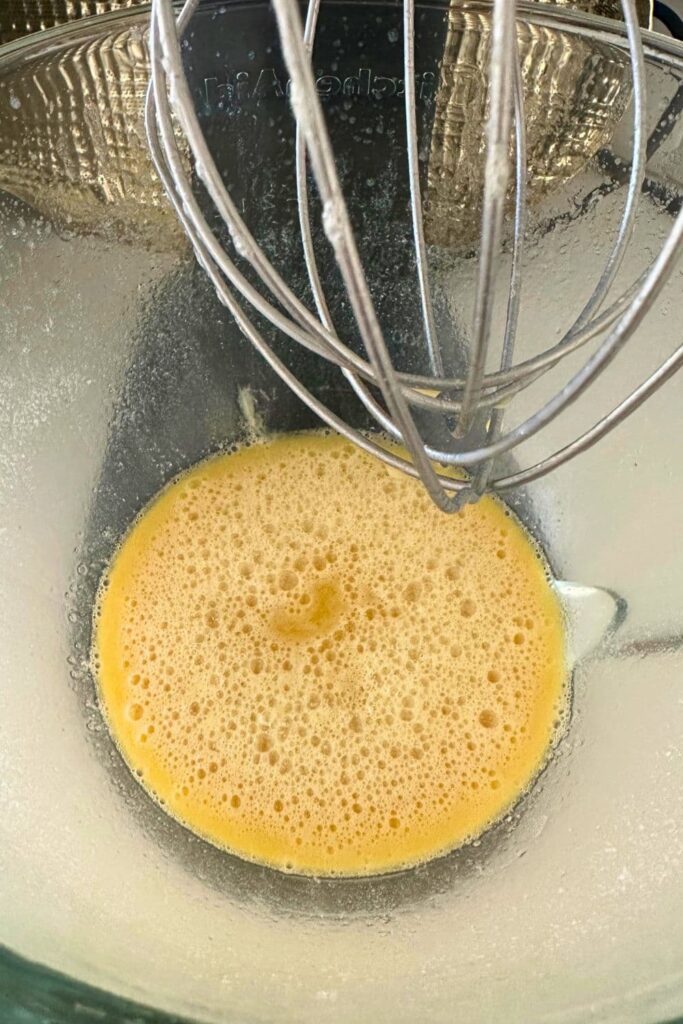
point(497, 171)
point(485, 469)
point(431, 339)
point(170, 107)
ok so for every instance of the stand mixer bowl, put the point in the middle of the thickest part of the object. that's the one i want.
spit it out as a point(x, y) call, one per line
point(119, 368)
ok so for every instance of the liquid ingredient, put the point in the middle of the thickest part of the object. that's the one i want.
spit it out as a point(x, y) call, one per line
point(310, 665)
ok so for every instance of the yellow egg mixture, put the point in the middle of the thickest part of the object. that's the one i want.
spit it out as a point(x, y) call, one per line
point(313, 667)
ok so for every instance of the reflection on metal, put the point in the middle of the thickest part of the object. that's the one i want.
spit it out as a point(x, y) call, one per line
point(575, 90)
point(606, 8)
point(79, 156)
point(21, 17)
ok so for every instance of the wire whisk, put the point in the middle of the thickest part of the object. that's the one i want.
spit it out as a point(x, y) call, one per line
point(392, 397)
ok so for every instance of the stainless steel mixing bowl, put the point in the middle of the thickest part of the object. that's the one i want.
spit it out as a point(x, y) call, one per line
point(118, 368)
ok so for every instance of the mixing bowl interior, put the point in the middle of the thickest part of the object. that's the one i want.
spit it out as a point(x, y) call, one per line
point(119, 368)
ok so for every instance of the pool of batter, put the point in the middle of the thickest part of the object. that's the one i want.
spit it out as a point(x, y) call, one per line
point(314, 668)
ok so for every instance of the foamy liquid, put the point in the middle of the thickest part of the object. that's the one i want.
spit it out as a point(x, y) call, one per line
point(311, 666)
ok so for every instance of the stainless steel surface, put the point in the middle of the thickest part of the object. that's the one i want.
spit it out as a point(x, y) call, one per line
point(20, 17)
point(586, 124)
point(68, 182)
point(575, 92)
point(62, 164)
point(119, 368)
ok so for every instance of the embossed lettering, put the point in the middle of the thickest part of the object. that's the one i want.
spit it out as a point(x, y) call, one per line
point(382, 87)
point(268, 84)
point(328, 85)
point(358, 85)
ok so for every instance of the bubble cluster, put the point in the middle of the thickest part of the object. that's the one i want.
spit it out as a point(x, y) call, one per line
point(313, 667)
